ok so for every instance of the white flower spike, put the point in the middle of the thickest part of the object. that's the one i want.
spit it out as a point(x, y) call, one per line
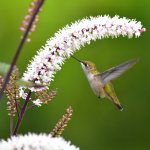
point(50, 57)
point(36, 142)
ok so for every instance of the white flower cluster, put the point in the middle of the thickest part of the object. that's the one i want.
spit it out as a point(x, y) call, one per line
point(50, 57)
point(36, 142)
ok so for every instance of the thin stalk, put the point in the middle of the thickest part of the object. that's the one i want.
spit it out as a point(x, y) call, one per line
point(16, 105)
point(22, 113)
point(39, 4)
point(11, 123)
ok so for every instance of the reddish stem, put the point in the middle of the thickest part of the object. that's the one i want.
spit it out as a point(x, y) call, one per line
point(22, 113)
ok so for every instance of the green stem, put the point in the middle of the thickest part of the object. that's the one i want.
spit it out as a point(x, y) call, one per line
point(11, 123)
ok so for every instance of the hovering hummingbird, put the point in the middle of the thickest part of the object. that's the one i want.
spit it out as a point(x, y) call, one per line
point(101, 82)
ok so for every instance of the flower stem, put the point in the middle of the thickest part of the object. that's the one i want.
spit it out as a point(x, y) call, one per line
point(22, 113)
point(39, 4)
point(11, 123)
point(16, 105)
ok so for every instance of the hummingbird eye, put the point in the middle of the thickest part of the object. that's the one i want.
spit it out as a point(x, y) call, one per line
point(87, 65)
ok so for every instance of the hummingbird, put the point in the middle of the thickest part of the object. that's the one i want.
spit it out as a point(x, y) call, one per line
point(101, 82)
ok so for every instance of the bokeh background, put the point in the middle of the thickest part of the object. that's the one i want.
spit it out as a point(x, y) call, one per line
point(96, 124)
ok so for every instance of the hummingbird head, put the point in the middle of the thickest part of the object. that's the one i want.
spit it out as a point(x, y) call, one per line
point(87, 66)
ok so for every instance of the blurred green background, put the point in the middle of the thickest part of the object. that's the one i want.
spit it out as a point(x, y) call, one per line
point(96, 124)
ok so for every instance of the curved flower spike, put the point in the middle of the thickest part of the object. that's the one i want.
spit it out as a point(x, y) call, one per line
point(65, 42)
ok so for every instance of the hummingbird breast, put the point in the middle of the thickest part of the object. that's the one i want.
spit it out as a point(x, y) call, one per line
point(96, 85)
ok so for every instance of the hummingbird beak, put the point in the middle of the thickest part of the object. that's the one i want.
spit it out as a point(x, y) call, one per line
point(77, 59)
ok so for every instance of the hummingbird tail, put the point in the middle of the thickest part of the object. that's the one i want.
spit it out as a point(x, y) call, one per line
point(112, 96)
point(119, 106)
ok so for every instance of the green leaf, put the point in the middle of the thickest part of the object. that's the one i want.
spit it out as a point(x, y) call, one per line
point(28, 84)
point(4, 68)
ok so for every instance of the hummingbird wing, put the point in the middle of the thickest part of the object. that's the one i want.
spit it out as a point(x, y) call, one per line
point(110, 94)
point(116, 71)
